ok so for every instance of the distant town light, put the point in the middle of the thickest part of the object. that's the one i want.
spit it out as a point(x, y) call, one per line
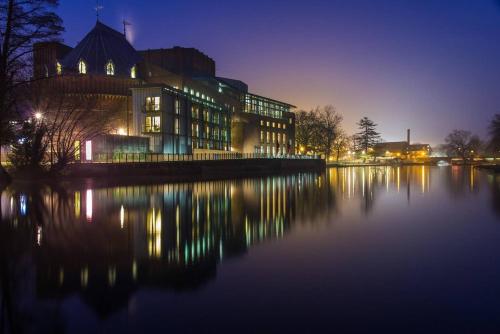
point(121, 131)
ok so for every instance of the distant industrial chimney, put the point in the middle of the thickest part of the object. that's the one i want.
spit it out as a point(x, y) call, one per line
point(408, 136)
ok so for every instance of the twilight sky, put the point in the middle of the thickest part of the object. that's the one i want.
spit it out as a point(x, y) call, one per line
point(431, 66)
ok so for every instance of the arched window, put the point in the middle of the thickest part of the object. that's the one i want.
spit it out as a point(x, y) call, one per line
point(58, 68)
point(46, 69)
point(133, 72)
point(110, 68)
point(82, 67)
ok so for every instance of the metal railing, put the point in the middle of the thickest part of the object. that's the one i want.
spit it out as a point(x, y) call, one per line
point(161, 157)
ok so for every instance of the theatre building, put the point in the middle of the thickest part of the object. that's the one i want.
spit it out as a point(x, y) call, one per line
point(171, 98)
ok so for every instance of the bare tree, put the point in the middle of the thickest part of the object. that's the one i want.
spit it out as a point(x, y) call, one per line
point(318, 129)
point(462, 143)
point(22, 23)
point(329, 129)
point(494, 132)
point(341, 144)
point(306, 124)
point(71, 119)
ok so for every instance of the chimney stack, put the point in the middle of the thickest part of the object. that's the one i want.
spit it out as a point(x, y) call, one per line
point(408, 136)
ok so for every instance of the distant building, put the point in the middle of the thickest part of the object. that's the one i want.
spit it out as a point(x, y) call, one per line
point(402, 149)
point(170, 96)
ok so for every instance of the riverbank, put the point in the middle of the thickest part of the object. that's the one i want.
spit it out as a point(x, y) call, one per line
point(180, 171)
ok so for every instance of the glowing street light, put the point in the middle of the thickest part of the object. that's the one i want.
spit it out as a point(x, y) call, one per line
point(38, 115)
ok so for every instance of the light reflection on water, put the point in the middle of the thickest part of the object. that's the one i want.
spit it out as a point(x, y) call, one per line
point(105, 244)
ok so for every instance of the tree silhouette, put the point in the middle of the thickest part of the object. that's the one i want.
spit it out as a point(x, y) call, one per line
point(22, 23)
point(367, 137)
point(494, 132)
point(462, 143)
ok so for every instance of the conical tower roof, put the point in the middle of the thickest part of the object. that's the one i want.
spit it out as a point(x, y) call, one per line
point(101, 45)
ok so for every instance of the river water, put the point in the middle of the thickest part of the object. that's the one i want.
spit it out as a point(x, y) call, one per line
point(374, 249)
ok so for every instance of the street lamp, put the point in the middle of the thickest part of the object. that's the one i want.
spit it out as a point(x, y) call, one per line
point(38, 115)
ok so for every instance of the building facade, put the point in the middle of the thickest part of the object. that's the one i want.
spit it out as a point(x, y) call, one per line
point(403, 149)
point(170, 96)
point(179, 123)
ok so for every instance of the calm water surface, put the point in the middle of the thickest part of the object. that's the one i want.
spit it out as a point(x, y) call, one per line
point(413, 249)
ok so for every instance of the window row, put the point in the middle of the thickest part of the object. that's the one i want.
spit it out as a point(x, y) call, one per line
point(109, 68)
point(210, 133)
point(273, 124)
point(268, 137)
point(208, 116)
point(198, 94)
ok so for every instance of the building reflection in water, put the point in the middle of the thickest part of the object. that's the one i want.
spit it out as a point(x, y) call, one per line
point(105, 243)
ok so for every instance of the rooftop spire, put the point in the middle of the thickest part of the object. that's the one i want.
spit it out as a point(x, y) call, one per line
point(97, 9)
point(125, 24)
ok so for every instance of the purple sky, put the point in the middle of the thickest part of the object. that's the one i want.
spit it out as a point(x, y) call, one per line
point(431, 66)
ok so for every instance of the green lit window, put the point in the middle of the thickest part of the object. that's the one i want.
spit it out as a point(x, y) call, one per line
point(177, 125)
point(133, 72)
point(177, 107)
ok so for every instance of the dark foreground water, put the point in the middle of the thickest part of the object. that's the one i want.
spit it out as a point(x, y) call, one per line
point(373, 250)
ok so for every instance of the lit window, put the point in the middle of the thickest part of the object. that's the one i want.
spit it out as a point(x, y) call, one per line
point(177, 125)
point(267, 123)
point(110, 68)
point(82, 67)
point(290, 121)
point(220, 89)
point(274, 124)
point(152, 103)
point(152, 124)
point(177, 107)
point(133, 72)
point(284, 126)
point(58, 68)
point(186, 90)
point(261, 123)
point(77, 150)
point(88, 150)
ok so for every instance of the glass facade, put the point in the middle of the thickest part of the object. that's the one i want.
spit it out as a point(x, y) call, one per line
point(263, 106)
point(210, 128)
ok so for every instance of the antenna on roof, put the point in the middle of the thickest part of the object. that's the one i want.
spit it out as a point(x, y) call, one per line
point(125, 24)
point(97, 9)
